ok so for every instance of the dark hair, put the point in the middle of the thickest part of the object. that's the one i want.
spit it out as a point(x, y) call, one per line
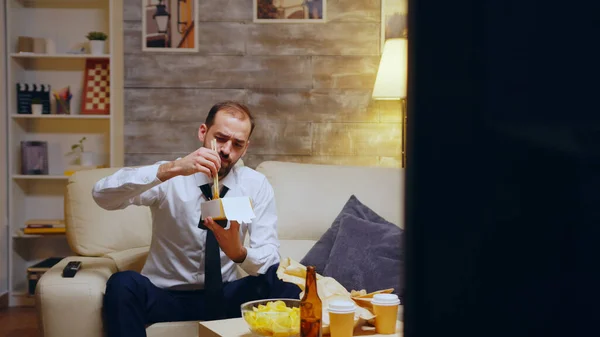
point(232, 107)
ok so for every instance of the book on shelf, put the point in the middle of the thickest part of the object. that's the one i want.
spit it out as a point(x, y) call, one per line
point(57, 230)
point(45, 222)
point(44, 226)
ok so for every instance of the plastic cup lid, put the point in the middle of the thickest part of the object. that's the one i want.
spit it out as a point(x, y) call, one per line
point(385, 299)
point(341, 306)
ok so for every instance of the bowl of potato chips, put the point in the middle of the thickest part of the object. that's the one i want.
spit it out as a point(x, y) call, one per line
point(273, 317)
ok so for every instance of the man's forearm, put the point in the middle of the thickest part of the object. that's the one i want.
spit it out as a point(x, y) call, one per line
point(167, 171)
point(242, 256)
point(127, 186)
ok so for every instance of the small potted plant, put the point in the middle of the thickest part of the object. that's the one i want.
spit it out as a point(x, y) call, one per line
point(84, 158)
point(97, 40)
point(36, 106)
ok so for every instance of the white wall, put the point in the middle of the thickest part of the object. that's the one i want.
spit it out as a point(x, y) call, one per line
point(4, 237)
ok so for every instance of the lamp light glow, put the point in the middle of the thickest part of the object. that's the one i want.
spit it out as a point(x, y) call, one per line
point(390, 83)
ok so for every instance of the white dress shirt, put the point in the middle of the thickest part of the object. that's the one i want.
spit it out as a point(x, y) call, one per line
point(176, 257)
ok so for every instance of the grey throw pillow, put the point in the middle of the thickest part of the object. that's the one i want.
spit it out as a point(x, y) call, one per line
point(367, 255)
point(318, 255)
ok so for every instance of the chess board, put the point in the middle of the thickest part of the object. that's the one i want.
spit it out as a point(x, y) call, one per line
point(96, 87)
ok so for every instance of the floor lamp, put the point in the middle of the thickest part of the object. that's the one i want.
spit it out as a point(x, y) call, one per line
point(390, 83)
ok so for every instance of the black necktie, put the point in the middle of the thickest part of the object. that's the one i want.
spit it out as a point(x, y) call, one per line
point(213, 280)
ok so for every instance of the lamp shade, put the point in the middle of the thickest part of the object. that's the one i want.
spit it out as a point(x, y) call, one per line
point(390, 83)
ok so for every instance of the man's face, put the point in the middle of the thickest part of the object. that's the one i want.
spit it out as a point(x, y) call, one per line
point(232, 136)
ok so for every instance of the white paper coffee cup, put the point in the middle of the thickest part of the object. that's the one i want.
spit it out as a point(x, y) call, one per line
point(341, 318)
point(385, 299)
point(385, 308)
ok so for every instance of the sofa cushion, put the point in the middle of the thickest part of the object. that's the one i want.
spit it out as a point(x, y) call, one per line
point(367, 255)
point(295, 249)
point(130, 259)
point(93, 231)
point(319, 253)
point(309, 196)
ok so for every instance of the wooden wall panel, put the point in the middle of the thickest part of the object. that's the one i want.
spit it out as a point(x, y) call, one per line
point(308, 85)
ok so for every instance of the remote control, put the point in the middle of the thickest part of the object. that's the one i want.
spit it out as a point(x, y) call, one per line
point(71, 269)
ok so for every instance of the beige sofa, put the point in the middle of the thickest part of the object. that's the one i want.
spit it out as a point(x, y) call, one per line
point(308, 198)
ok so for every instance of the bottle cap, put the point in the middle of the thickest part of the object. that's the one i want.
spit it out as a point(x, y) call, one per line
point(341, 306)
point(385, 299)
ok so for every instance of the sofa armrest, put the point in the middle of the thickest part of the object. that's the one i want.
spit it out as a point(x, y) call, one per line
point(73, 306)
point(130, 259)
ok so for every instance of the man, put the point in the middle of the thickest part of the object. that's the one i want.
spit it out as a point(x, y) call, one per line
point(171, 285)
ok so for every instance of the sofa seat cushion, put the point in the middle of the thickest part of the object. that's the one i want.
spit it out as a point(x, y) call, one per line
point(367, 255)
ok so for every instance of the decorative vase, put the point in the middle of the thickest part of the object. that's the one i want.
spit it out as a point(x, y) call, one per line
point(97, 47)
point(36, 109)
point(86, 159)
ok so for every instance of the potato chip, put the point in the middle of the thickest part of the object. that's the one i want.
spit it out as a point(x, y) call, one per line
point(274, 319)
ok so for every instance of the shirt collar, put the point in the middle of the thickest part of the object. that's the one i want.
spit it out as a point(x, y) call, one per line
point(229, 180)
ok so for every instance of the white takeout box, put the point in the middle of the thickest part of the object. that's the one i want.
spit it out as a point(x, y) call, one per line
point(233, 209)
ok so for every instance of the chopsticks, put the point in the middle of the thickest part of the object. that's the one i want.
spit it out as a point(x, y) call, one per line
point(216, 177)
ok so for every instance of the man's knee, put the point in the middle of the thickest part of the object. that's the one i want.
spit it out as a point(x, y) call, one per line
point(122, 285)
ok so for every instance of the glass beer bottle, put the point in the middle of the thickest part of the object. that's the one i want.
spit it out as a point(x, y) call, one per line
point(310, 307)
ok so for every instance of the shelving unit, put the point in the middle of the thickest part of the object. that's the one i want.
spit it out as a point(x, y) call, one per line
point(66, 23)
point(39, 177)
point(5, 236)
point(23, 116)
point(19, 234)
point(57, 56)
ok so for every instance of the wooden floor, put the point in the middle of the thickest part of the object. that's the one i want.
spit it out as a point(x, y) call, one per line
point(19, 322)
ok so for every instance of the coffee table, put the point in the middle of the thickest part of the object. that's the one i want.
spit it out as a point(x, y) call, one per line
point(236, 327)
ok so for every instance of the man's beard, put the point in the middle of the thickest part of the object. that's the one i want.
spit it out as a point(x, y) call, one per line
point(225, 168)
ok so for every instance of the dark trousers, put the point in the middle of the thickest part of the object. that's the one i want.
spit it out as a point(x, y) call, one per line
point(132, 302)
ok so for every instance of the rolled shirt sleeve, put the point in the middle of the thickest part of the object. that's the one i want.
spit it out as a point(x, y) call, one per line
point(128, 186)
point(263, 251)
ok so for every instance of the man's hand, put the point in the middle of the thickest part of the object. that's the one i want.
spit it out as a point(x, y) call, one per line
point(229, 239)
point(202, 160)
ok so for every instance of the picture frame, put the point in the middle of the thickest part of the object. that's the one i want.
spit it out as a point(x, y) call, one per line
point(170, 25)
point(394, 14)
point(34, 157)
point(289, 11)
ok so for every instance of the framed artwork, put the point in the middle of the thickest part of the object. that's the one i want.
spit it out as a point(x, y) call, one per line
point(34, 157)
point(290, 11)
point(393, 19)
point(170, 25)
point(96, 87)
